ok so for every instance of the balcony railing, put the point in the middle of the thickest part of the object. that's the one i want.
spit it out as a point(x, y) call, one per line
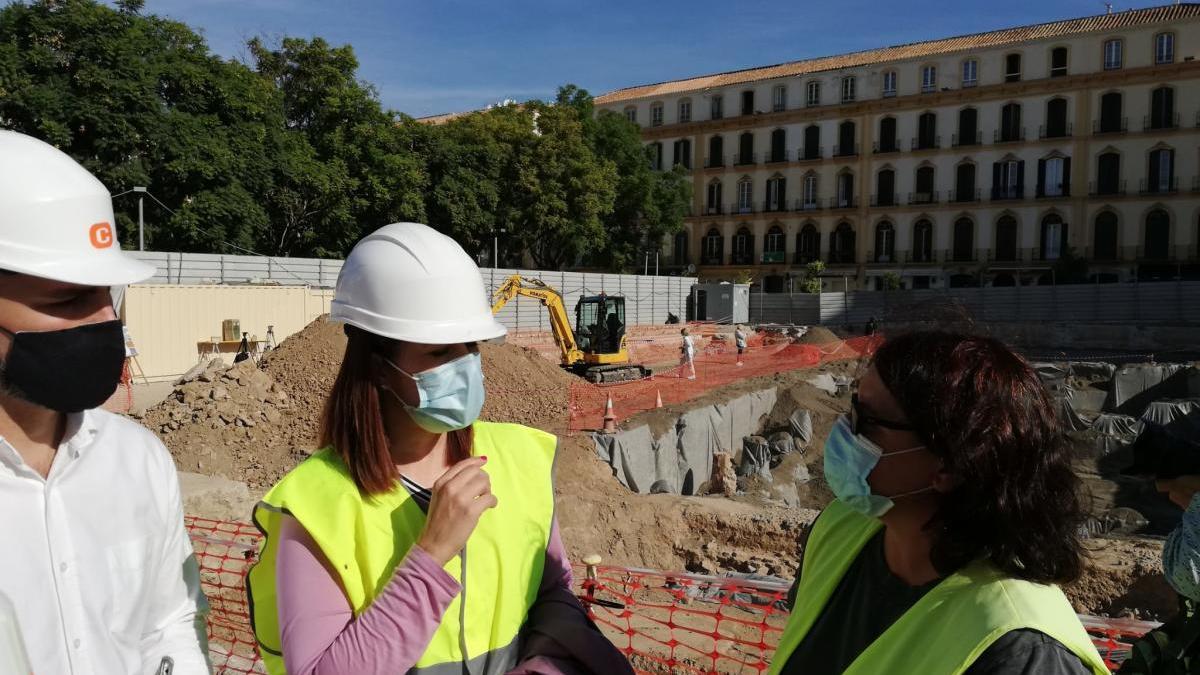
point(1008, 135)
point(810, 154)
point(741, 258)
point(964, 196)
point(885, 199)
point(1057, 131)
point(920, 257)
point(745, 158)
point(929, 144)
point(777, 206)
point(960, 256)
point(774, 257)
point(1064, 190)
point(779, 156)
point(840, 258)
point(883, 258)
point(1158, 123)
point(711, 259)
point(957, 140)
point(1098, 255)
point(1163, 253)
point(843, 203)
point(714, 162)
point(716, 209)
point(881, 148)
point(923, 197)
point(805, 257)
point(1110, 188)
point(803, 204)
point(1008, 192)
point(746, 208)
point(845, 150)
point(1159, 187)
point(1112, 127)
point(1002, 256)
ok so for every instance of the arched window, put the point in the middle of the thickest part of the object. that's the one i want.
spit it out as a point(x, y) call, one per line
point(1104, 236)
point(845, 191)
point(1054, 237)
point(964, 183)
point(1056, 119)
point(924, 193)
point(1158, 235)
point(964, 240)
point(887, 135)
point(773, 246)
point(885, 188)
point(927, 137)
point(776, 193)
point(714, 248)
point(1010, 129)
point(681, 248)
point(846, 146)
point(716, 152)
point(1162, 109)
point(841, 245)
point(1108, 174)
point(808, 244)
point(809, 200)
point(885, 242)
point(812, 142)
point(745, 195)
point(713, 204)
point(1161, 172)
point(656, 155)
point(1012, 68)
point(746, 148)
point(743, 247)
point(1111, 121)
point(968, 128)
point(1058, 61)
point(922, 246)
point(778, 146)
point(1006, 239)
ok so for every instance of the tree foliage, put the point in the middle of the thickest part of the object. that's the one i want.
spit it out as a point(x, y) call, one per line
point(292, 154)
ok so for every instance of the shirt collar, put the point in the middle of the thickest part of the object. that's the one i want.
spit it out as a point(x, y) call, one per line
point(82, 429)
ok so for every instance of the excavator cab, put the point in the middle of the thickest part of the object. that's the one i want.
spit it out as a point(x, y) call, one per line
point(600, 328)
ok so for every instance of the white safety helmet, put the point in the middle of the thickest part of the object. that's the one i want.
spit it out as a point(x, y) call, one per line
point(407, 281)
point(56, 219)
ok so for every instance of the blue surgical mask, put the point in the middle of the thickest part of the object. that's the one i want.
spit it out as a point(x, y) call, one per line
point(849, 459)
point(451, 394)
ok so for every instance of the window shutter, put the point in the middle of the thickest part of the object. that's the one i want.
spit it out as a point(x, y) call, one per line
point(677, 153)
point(997, 167)
point(1041, 181)
point(1152, 176)
point(1021, 177)
point(782, 203)
point(1066, 177)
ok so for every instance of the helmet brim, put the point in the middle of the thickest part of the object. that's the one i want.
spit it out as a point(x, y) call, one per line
point(116, 270)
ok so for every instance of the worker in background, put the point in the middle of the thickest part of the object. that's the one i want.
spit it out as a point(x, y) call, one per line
point(614, 326)
point(687, 355)
point(95, 559)
point(956, 520)
point(739, 339)
point(418, 539)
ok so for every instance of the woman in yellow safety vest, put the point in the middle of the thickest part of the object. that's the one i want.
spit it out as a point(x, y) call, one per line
point(418, 539)
point(955, 521)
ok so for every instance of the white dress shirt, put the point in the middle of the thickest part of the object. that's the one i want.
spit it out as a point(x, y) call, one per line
point(95, 557)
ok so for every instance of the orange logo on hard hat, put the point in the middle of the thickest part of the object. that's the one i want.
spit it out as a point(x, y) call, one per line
point(102, 235)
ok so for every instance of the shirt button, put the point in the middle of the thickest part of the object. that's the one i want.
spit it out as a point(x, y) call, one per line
point(76, 644)
point(62, 567)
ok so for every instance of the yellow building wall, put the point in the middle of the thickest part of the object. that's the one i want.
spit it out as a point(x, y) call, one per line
point(167, 321)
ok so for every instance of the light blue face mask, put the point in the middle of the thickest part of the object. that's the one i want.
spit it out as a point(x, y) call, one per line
point(849, 459)
point(451, 394)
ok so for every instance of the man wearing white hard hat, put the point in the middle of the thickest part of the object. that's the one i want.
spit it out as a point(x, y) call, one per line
point(419, 539)
point(94, 555)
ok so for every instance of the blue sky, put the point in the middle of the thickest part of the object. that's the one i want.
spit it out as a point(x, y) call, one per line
point(452, 55)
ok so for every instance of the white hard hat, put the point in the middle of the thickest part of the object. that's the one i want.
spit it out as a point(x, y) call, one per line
point(407, 281)
point(56, 219)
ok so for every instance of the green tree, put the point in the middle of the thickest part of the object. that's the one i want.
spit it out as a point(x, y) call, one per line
point(812, 277)
point(1070, 268)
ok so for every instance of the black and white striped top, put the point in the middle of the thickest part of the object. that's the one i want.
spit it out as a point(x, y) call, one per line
point(421, 495)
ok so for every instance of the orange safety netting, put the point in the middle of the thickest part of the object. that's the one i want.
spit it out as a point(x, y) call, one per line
point(664, 622)
point(715, 365)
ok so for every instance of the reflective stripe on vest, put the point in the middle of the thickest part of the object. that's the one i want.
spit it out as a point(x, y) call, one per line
point(948, 628)
point(365, 539)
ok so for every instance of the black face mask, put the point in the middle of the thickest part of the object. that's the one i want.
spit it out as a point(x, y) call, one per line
point(65, 370)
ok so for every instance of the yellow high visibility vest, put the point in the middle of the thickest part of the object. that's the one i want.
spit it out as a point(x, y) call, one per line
point(948, 628)
point(364, 539)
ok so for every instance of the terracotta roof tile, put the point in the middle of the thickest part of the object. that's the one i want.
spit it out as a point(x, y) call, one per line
point(997, 38)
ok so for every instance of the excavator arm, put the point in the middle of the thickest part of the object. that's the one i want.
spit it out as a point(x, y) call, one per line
point(552, 300)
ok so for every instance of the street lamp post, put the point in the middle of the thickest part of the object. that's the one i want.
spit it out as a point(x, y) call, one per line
point(141, 217)
point(496, 247)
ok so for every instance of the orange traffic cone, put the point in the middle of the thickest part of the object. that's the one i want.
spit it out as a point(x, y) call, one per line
point(610, 420)
point(657, 398)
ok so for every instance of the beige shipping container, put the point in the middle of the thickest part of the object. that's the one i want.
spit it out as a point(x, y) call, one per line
point(168, 323)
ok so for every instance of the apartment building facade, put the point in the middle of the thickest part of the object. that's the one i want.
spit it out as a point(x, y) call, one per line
point(976, 160)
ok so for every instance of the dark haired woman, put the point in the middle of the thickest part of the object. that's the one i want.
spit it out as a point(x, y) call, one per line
point(418, 539)
point(955, 522)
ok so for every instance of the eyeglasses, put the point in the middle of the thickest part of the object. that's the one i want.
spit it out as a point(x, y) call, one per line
point(859, 418)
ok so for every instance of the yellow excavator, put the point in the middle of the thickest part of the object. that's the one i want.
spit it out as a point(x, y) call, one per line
point(597, 348)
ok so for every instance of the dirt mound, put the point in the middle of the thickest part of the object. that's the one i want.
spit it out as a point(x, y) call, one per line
point(1124, 578)
point(818, 335)
point(254, 425)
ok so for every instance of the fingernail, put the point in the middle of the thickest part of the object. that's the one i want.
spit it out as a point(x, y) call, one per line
point(483, 457)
